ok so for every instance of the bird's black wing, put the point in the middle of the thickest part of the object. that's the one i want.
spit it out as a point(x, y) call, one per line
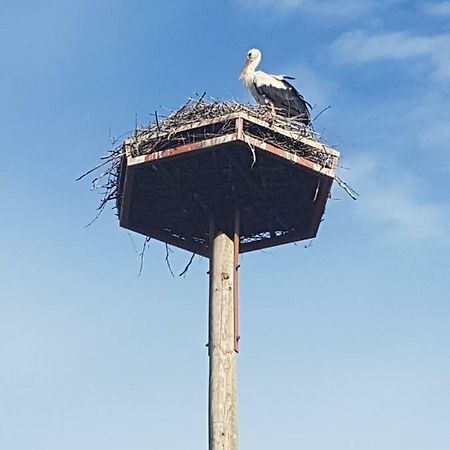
point(287, 99)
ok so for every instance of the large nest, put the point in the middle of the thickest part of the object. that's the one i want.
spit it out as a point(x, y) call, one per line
point(179, 128)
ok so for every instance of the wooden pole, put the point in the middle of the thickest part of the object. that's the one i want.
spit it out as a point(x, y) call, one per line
point(222, 355)
point(236, 239)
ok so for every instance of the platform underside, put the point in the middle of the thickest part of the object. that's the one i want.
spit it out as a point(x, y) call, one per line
point(173, 199)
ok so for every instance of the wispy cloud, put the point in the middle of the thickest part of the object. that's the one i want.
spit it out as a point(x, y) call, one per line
point(283, 4)
point(393, 202)
point(441, 9)
point(332, 8)
point(427, 123)
point(362, 47)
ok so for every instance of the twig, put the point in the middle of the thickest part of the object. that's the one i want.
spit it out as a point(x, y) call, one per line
point(92, 170)
point(321, 112)
point(200, 100)
point(343, 185)
point(167, 260)
point(187, 266)
point(317, 190)
point(96, 217)
point(141, 255)
point(132, 242)
point(157, 121)
point(252, 149)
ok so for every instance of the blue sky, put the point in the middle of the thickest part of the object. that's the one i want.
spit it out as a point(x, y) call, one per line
point(345, 343)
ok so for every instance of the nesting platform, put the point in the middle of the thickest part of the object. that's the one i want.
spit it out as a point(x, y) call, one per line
point(172, 181)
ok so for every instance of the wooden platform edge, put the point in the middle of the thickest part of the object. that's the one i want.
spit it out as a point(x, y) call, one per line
point(209, 144)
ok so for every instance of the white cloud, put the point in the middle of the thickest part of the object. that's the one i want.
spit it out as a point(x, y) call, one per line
point(428, 122)
point(361, 47)
point(441, 9)
point(283, 4)
point(436, 138)
point(393, 202)
point(332, 8)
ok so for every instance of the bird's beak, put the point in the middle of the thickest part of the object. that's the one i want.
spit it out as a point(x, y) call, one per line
point(241, 76)
point(247, 62)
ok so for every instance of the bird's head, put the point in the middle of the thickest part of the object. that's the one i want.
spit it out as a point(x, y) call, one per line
point(251, 62)
point(254, 55)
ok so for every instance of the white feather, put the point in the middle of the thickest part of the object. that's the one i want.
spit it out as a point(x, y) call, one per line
point(262, 78)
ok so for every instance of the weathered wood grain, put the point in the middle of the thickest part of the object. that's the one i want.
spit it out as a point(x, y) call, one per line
point(222, 355)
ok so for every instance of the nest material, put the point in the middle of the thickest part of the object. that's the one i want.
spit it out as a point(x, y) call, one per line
point(179, 128)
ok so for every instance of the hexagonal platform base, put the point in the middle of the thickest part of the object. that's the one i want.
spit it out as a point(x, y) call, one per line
point(172, 194)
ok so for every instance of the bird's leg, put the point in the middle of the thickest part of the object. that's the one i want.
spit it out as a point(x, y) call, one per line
point(272, 109)
point(272, 113)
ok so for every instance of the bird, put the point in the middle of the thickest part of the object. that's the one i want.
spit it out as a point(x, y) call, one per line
point(274, 90)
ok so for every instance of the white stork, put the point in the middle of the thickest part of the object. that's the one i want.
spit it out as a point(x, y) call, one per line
point(273, 90)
